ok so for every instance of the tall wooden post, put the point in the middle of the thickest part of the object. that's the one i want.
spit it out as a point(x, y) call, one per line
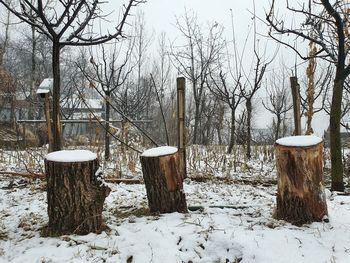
point(181, 130)
point(296, 105)
point(48, 120)
point(24, 136)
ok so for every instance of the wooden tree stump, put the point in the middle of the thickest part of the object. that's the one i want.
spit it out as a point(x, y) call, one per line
point(300, 194)
point(163, 178)
point(75, 195)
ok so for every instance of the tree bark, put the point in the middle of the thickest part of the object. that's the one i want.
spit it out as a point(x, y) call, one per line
point(232, 130)
point(278, 127)
point(249, 127)
point(56, 116)
point(181, 114)
point(300, 194)
point(33, 75)
point(75, 197)
point(163, 176)
point(196, 123)
point(107, 117)
point(335, 140)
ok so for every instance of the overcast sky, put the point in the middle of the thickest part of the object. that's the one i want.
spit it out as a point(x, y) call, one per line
point(161, 16)
point(161, 13)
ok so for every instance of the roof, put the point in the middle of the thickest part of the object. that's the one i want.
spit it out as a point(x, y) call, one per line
point(45, 86)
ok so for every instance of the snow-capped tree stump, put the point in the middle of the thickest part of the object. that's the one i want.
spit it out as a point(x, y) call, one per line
point(75, 195)
point(163, 178)
point(300, 194)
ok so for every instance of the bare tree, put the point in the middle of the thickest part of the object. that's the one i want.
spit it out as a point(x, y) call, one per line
point(278, 102)
point(109, 73)
point(249, 90)
point(19, 62)
point(142, 43)
point(194, 59)
point(315, 92)
point(66, 23)
point(7, 87)
point(161, 82)
point(241, 130)
point(327, 27)
point(345, 104)
point(4, 43)
point(162, 65)
point(231, 95)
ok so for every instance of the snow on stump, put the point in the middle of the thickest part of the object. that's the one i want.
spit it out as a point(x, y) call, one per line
point(163, 180)
point(75, 195)
point(300, 191)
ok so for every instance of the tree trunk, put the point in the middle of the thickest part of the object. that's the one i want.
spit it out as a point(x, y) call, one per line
point(2, 53)
point(107, 135)
point(75, 197)
point(218, 131)
point(5, 43)
point(196, 123)
point(335, 140)
point(300, 194)
point(125, 134)
point(232, 131)
point(249, 127)
point(163, 177)
point(56, 116)
point(220, 123)
point(33, 75)
point(278, 127)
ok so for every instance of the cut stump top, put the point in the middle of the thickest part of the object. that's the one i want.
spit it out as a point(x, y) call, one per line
point(71, 156)
point(299, 141)
point(159, 151)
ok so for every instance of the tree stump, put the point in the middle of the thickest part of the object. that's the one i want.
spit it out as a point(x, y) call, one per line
point(75, 194)
point(300, 194)
point(163, 178)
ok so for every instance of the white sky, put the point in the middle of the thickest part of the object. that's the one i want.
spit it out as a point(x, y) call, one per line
point(161, 14)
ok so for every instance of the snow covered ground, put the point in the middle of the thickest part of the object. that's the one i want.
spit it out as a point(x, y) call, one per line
point(242, 232)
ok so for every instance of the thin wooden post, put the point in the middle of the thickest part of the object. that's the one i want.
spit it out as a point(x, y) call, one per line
point(181, 109)
point(296, 105)
point(24, 135)
point(48, 120)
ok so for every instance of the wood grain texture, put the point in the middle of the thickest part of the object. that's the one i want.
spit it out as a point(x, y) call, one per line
point(75, 197)
point(163, 178)
point(300, 191)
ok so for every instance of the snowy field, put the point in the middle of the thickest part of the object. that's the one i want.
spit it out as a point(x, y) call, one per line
point(244, 231)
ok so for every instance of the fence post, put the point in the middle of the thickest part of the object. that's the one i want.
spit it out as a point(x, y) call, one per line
point(181, 130)
point(48, 120)
point(296, 105)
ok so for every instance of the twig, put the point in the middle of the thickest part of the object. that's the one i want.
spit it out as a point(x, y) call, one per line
point(161, 109)
point(124, 181)
point(28, 175)
point(104, 127)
